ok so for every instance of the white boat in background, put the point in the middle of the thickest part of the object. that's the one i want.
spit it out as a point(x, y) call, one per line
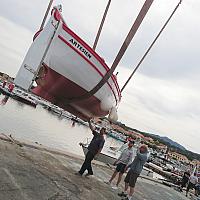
point(65, 67)
point(108, 157)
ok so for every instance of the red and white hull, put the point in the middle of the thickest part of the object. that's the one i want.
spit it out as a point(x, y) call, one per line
point(68, 68)
point(56, 88)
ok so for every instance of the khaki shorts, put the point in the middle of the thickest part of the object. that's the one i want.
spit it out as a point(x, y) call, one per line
point(131, 178)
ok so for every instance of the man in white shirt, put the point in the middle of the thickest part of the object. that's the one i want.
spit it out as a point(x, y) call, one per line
point(193, 180)
point(122, 162)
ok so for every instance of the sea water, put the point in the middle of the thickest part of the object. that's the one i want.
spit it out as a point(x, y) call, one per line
point(39, 125)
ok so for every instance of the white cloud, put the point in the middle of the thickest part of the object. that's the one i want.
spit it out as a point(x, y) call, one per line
point(162, 107)
point(14, 42)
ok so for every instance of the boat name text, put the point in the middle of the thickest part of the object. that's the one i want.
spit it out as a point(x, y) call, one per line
point(78, 46)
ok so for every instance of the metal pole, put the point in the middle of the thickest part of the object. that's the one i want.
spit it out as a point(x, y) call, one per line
point(101, 25)
point(142, 59)
point(46, 14)
point(120, 54)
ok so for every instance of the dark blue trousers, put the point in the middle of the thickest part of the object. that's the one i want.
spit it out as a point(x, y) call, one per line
point(87, 165)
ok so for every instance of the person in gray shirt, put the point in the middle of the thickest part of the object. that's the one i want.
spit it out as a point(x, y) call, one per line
point(122, 162)
point(135, 169)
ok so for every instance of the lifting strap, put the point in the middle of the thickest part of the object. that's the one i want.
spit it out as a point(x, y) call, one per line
point(142, 59)
point(120, 54)
point(101, 25)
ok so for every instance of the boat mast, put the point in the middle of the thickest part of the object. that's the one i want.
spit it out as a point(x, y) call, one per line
point(46, 14)
point(158, 35)
point(101, 25)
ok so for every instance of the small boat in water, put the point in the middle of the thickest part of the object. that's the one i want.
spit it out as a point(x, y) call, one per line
point(65, 67)
point(107, 157)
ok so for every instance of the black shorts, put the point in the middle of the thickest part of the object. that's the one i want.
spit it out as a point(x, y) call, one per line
point(183, 183)
point(120, 167)
point(131, 178)
point(190, 186)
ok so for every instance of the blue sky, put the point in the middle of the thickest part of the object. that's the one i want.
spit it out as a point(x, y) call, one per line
point(163, 97)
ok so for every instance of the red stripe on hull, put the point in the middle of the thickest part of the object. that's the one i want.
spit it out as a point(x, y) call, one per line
point(91, 64)
point(69, 31)
point(57, 89)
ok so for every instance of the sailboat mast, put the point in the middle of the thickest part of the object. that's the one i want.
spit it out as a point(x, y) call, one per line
point(101, 25)
point(46, 14)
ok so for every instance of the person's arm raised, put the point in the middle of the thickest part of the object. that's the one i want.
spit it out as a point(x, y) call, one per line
point(92, 128)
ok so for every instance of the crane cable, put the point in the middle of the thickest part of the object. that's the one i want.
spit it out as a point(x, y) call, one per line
point(142, 59)
point(46, 14)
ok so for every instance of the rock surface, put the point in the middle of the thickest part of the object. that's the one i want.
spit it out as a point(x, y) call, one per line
point(28, 173)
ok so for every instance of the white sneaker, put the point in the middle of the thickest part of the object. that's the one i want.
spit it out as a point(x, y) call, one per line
point(114, 187)
point(88, 175)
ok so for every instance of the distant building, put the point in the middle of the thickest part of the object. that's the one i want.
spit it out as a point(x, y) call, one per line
point(149, 139)
point(195, 163)
point(178, 157)
point(162, 147)
point(120, 129)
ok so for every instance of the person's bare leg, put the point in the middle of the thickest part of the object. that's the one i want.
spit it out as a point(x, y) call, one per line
point(130, 194)
point(126, 187)
point(113, 176)
point(131, 191)
point(119, 178)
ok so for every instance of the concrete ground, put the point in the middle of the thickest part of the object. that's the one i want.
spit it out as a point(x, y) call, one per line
point(28, 173)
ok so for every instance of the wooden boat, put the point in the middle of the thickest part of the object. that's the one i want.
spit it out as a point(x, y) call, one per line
point(65, 67)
